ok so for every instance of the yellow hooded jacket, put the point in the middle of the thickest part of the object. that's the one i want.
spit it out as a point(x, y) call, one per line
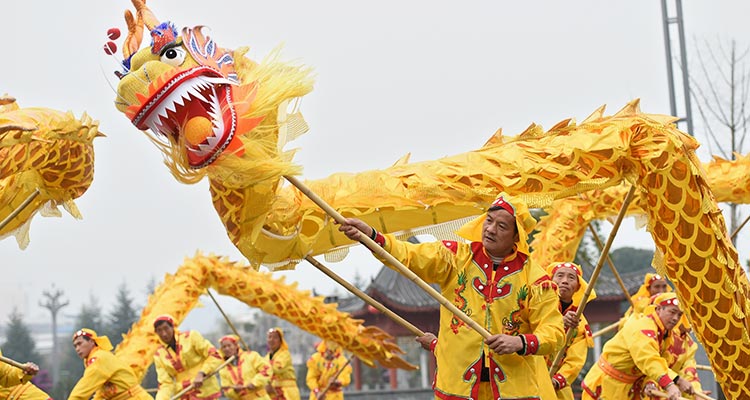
point(320, 373)
point(575, 355)
point(109, 377)
point(634, 355)
point(252, 368)
point(284, 378)
point(177, 370)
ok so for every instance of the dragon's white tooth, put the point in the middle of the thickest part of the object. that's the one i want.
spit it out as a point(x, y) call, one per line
point(180, 101)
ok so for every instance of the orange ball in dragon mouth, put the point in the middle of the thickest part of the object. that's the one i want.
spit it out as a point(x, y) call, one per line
point(197, 129)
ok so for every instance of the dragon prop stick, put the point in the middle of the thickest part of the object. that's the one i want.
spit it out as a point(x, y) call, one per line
point(606, 329)
point(12, 362)
point(20, 208)
point(379, 251)
point(192, 385)
point(605, 251)
point(600, 245)
point(364, 296)
point(226, 318)
point(739, 228)
point(322, 395)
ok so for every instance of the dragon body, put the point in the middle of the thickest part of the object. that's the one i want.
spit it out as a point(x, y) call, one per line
point(45, 150)
point(179, 293)
point(561, 230)
point(278, 226)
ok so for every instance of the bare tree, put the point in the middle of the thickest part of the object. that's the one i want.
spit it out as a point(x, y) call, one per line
point(721, 90)
point(54, 304)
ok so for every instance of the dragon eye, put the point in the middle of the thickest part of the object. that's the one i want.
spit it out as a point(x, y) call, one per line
point(174, 56)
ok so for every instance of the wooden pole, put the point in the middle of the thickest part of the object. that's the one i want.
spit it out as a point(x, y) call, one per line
point(192, 386)
point(364, 296)
point(703, 395)
point(20, 208)
point(571, 332)
point(703, 367)
point(12, 362)
point(657, 393)
point(380, 252)
point(736, 231)
point(226, 318)
point(606, 329)
point(322, 394)
point(611, 264)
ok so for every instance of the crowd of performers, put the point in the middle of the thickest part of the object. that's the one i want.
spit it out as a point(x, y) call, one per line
point(527, 310)
point(190, 367)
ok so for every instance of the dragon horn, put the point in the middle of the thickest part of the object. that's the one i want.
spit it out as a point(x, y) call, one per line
point(135, 35)
point(145, 15)
point(135, 26)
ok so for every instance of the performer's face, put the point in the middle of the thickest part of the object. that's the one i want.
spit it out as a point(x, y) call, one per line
point(273, 340)
point(658, 286)
point(567, 283)
point(669, 315)
point(499, 233)
point(83, 346)
point(165, 332)
point(229, 348)
point(328, 355)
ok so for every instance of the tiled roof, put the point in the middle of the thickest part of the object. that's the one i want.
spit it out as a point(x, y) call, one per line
point(607, 287)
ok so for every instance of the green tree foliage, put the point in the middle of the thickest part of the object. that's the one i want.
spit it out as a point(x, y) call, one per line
point(18, 344)
point(122, 316)
point(630, 260)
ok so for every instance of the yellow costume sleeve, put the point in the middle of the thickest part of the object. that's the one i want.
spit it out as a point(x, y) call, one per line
point(203, 347)
point(575, 357)
point(640, 338)
point(166, 383)
point(282, 364)
point(431, 261)
point(96, 374)
point(688, 371)
point(544, 312)
point(259, 370)
point(226, 383)
point(12, 376)
point(313, 373)
point(345, 377)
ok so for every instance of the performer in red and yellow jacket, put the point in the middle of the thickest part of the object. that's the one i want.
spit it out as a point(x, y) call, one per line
point(284, 379)
point(653, 285)
point(247, 376)
point(681, 354)
point(636, 355)
point(104, 374)
point(322, 368)
point(570, 288)
point(185, 358)
point(495, 283)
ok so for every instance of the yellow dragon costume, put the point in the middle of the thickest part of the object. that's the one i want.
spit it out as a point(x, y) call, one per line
point(46, 150)
point(179, 294)
point(215, 113)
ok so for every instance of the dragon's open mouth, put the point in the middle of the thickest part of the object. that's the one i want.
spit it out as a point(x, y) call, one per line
point(195, 104)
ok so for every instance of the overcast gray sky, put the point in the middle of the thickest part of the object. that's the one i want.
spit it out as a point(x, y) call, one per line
point(433, 78)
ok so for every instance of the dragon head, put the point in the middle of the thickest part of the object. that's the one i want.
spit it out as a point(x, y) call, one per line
point(184, 88)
